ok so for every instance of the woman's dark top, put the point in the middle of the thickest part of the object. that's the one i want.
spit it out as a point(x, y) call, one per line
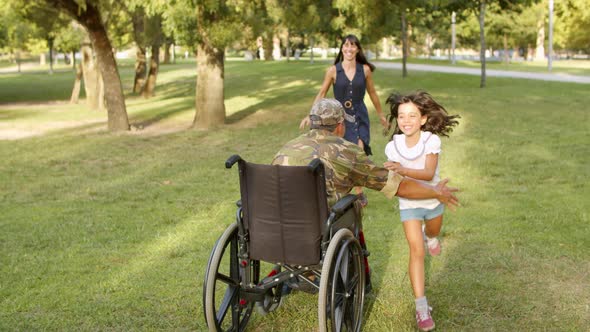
point(351, 95)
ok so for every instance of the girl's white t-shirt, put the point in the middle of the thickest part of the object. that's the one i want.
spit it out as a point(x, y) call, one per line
point(415, 158)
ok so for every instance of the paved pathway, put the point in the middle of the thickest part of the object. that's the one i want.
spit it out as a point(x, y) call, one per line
point(560, 77)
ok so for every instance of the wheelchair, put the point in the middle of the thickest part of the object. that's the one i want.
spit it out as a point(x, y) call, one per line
point(283, 219)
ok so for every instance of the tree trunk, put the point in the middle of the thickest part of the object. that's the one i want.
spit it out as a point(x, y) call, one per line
point(404, 45)
point(385, 48)
point(50, 44)
point(482, 38)
point(267, 45)
point(288, 45)
point(516, 53)
point(276, 48)
point(173, 52)
point(138, 22)
point(506, 56)
point(540, 46)
point(76, 90)
point(209, 101)
point(74, 60)
point(428, 45)
point(113, 90)
point(90, 75)
point(140, 69)
point(167, 52)
point(150, 84)
point(311, 40)
point(18, 60)
point(89, 16)
point(101, 100)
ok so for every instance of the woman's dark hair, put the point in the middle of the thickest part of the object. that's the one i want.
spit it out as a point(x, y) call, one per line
point(360, 56)
point(438, 121)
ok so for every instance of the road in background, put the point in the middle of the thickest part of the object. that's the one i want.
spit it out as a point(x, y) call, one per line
point(559, 77)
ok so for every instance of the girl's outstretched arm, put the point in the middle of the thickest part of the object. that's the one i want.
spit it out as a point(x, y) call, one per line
point(426, 174)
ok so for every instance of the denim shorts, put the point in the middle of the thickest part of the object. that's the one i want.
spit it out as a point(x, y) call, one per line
point(421, 213)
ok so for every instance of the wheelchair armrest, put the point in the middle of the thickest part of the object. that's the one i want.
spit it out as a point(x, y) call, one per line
point(344, 204)
point(314, 164)
point(232, 160)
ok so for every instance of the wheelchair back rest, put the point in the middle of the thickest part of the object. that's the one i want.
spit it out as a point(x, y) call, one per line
point(284, 210)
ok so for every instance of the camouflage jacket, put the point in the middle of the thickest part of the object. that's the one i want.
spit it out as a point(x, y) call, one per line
point(345, 163)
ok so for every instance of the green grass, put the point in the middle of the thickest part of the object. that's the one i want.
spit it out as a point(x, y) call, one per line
point(108, 231)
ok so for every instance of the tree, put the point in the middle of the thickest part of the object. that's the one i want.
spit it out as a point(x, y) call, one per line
point(69, 39)
point(405, 8)
point(306, 17)
point(478, 7)
point(208, 27)
point(146, 20)
point(156, 37)
point(573, 24)
point(16, 32)
point(88, 14)
point(47, 23)
point(431, 26)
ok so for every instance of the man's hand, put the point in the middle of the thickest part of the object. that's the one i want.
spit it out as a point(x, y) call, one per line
point(446, 194)
point(304, 123)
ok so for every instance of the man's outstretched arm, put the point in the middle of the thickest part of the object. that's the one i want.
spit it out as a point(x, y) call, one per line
point(412, 189)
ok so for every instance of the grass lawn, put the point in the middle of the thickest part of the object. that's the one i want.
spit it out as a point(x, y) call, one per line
point(104, 231)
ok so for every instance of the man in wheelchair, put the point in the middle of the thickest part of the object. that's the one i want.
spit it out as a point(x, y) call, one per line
point(346, 165)
point(296, 214)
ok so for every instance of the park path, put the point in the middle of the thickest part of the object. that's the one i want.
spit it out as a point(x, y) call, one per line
point(559, 77)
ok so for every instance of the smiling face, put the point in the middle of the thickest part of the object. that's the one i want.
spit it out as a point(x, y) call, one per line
point(409, 119)
point(349, 50)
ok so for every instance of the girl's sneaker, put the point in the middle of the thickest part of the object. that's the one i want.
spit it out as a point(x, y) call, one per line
point(424, 320)
point(433, 246)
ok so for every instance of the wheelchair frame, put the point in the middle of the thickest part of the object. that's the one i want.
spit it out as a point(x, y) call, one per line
point(232, 285)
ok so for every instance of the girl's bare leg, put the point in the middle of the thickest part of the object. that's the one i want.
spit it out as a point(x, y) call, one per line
point(413, 230)
point(432, 227)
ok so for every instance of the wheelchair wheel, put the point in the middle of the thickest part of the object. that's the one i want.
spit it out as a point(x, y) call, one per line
point(224, 308)
point(341, 297)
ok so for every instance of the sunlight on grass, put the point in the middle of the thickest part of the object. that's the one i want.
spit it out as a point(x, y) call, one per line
point(240, 103)
point(275, 85)
point(171, 243)
point(185, 74)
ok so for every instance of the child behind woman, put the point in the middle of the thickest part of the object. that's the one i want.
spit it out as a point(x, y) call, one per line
point(415, 147)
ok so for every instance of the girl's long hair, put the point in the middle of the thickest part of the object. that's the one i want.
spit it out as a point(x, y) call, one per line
point(360, 56)
point(438, 121)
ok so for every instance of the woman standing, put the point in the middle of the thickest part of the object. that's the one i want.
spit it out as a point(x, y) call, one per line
point(351, 76)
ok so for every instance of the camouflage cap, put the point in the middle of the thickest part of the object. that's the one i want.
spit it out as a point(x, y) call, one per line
point(326, 112)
